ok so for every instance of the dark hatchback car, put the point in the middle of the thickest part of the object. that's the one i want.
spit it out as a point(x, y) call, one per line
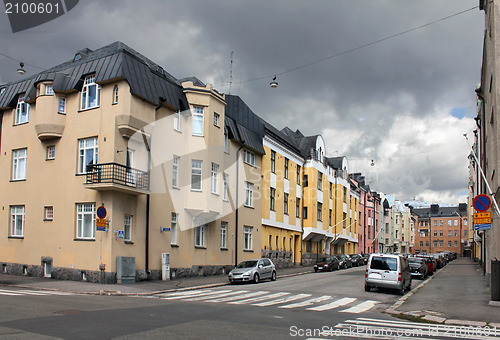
point(345, 261)
point(418, 267)
point(327, 264)
point(357, 260)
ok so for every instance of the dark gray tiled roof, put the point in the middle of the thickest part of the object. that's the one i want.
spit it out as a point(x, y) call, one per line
point(335, 162)
point(147, 79)
point(303, 143)
point(280, 137)
point(441, 212)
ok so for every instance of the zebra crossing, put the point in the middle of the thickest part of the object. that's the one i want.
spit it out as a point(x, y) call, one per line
point(285, 300)
point(32, 292)
point(367, 328)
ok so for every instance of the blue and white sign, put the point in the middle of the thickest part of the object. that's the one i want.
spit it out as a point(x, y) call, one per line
point(121, 234)
point(482, 226)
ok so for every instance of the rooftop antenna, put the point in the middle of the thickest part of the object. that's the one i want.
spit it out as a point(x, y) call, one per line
point(231, 73)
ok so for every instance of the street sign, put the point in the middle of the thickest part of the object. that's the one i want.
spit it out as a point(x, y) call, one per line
point(482, 226)
point(481, 202)
point(165, 229)
point(121, 233)
point(100, 224)
point(482, 218)
point(101, 212)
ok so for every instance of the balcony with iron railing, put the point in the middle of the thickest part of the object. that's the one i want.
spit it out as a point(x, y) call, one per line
point(117, 177)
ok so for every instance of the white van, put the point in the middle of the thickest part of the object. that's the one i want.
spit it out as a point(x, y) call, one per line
point(388, 271)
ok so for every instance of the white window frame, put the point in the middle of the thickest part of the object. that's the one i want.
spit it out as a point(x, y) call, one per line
point(320, 181)
point(51, 152)
point(285, 203)
point(174, 220)
point(198, 119)
point(297, 207)
point(85, 213)
point(19, 164)
point(197, 172)
point(456, 223)
point(249, 157)
point(175, 171)
point(177, 120)
point(320, 212)
point(225, 187)
point(449, 223)
point(115, 94)
point(273, 161)
point(247, 238)
point(84, 145)
point(17, 220)
point(223, 235)
point(215, 179)
point(22, 111)
point(61, 107)
point(199, 236)
point(272, 199)
point(248, 194)
point(127, 227)
point(48, 213)
point(226, 143)
point(216, 119)
point(287, 161)
point(89, 85)
point(49, 90)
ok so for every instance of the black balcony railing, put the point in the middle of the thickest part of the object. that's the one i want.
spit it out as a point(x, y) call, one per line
point(117, 174)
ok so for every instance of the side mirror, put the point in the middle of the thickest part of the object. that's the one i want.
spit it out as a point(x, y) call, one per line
point(260, 266)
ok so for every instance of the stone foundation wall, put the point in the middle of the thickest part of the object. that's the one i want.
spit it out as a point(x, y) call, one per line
point(308, 259)
point(280, 258)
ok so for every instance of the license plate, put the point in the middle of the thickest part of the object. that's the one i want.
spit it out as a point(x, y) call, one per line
point(320, 267)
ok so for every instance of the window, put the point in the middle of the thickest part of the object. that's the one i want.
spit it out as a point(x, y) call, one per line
point(345, 197)
point(330, 217)
point(331, 190)
point(435, 243)
point(465, 233)
point(306, 180)
point(225, 196)
point(449, 233)
point(215, 182)
point(455, 243)
point(273, 161)
point(87, 153)
point(449, 243)
point(304, 213)
point(449, 223)
point(177, 120)
point(421, 243)
point(440, 233)
point(440, 223)
point(48, 213)
point(426, 243)
point(127, 228)
point(456, 233)
point(196, 167)
point(320, 181)
point(115, 94)
point(248, 194)
point(17, 221)
point(19, 162)
point(49, 90)
point(22, 111)
point(199, 236)
point(223, 235)
point(85, 220)
point(285, 204)
point(51, 152)
point(272, 199)
point(440, 243)
point(320, 211)
point(198, 120)
point(173, 228)
point(247, 238)
point(226, 143)
point(175, 171)
point(397, 233)
point(216, 119)
point(298, 174)
point(456, 223)
point(62, 105)
point(435, 223)
point(435, 233)
point(286, 168)
point(90, 93)
point(249, 157)
point(297, 208)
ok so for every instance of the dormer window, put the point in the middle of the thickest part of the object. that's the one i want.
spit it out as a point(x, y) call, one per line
point(90, 93)
point(22, 111)
point(49, 90)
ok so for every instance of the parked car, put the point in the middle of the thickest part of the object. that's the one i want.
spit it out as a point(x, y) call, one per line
point(345, 261)
point(357, 260)
point(388, 271)
point(366, 257)
point(430, 262)
point(327, 264)
point(439, 259)
point(253, 270)
point(418, 267)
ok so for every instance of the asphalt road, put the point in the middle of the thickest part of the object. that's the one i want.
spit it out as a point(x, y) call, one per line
point(50, 316)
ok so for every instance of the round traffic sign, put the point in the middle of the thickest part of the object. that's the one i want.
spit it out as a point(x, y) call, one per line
point(481, 202)
point(101, 212)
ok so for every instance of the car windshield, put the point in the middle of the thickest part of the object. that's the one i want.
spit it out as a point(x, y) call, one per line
point(384, 263)
point(354, 256)
point(414, 260)
point(247, 264)
point(342, 257)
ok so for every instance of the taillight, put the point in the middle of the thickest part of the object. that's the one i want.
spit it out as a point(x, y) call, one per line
point(366, 273)
point(399, 277)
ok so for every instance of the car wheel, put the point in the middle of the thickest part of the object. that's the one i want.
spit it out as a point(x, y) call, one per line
point(409, 286)
point(367, 288)
point(256, 278)
point(273, 276)
point(402, 290)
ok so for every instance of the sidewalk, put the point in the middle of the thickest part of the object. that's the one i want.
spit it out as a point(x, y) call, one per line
point(137, 288)
point(455, 293)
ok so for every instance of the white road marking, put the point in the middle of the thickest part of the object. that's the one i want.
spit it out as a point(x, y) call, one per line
point(194, 295)
point(335, 304)
point(214, 295)
point(362, 307)
point(240, 297)
point(282, 300)
point(260, 298)
point(307, 302)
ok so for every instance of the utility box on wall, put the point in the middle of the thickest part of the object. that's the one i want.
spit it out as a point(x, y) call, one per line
point(125, 269)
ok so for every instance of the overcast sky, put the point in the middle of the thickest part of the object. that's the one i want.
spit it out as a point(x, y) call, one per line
point(404, 102)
